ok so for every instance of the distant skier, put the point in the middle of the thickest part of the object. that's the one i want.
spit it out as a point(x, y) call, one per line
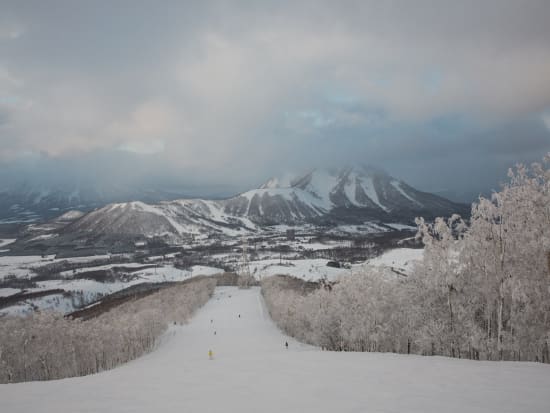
point(211, 321)
point(239, 316)
point(210, 355)
point(286, 344)
point(214, 333)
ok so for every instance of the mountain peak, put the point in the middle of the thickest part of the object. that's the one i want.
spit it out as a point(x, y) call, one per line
point(271, 183)
point(275, 182)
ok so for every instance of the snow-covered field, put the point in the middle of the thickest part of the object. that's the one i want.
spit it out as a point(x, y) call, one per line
point(100, 267)
point(90, 290)
point(401, 259)
point(86, 291)
point(252, 372)
point(4, 292)
point(306, 269)
point(22, 265)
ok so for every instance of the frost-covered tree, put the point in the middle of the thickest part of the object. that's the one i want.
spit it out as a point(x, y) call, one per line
point(440, 280)
point(495, 270)
point(44, 346)
point(481, 292)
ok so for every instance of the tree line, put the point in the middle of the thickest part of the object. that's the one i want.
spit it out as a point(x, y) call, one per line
point(46, 345)
point(482, 290)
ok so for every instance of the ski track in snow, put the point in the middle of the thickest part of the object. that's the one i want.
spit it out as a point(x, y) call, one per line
point(252, 372)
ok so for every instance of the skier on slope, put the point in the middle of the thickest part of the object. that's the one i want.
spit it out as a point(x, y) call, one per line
point(210, 354)
point(286, 344)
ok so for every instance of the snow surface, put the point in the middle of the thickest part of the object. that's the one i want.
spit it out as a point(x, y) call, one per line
point(402, 259)
point(365, 228)
point(307, 269)
point(54, 302)
point(253, 372)
point(401, 227)
point(397, 185)
point(6, 292)
point(70, 215)
point(70, 273)
point(321, 185)
point(43, 236)
point(370, 190)
point(6, 241)
point(91, 290)
point(22, 265)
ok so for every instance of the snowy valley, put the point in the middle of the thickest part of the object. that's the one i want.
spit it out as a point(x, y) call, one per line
point(320, 225)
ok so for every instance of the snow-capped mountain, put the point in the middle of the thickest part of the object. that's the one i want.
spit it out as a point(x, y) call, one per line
point(346, 196)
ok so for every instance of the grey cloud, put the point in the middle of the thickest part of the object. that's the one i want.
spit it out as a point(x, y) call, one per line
point(265, 87)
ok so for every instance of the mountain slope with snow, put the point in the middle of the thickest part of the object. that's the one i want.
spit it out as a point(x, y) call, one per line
point(252, 371)
point(167, 219)
point(350, 195)
point(346, 196)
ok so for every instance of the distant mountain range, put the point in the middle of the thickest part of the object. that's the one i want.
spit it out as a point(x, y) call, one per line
point(39, 202)
point(320, 197)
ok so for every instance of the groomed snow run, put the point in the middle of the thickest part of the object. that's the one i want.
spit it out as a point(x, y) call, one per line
point(252, 372)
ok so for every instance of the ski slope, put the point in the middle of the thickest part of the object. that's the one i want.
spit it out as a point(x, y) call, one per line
point(252, 372)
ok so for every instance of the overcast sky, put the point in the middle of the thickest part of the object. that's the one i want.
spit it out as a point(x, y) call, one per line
point(444, 94)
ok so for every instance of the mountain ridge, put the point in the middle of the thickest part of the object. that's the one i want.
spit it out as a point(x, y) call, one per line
point(320, 197)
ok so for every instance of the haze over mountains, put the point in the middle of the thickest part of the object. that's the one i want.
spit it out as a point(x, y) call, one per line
point(44, 187)
point(349, 196)
point(32, 197)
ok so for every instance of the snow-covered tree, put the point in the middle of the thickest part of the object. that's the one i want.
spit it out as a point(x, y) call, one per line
point(44, 346)
point(482, 290)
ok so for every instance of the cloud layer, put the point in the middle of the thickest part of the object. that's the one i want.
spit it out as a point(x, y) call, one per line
point(208, 86)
